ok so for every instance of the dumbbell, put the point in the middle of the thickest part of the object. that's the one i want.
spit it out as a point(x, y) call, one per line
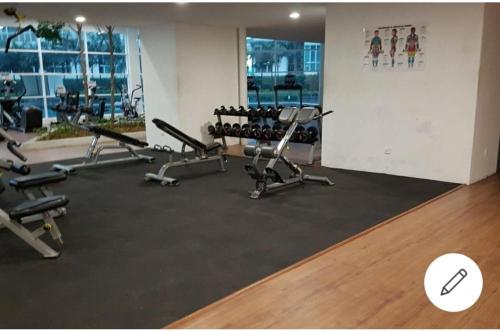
point(261, 111)
point(223, 110)
point(313, 133)
point(301, 134)
point(252, 112)
point(256, 132)
point(217, 112)
point(215, 130)
point(226, 129)
point(272, 112)
point(267, 132)
point(278, 131)
point(232, 111)
point(246, 131)
point(242, 111)
point(236, 130)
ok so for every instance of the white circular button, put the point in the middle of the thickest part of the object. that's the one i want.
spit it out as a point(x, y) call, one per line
point(453, 282)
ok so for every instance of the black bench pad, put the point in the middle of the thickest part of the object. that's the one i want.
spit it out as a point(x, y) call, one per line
point(116, 136)
point(37, 180)
point(44, 204)
point(191, 141)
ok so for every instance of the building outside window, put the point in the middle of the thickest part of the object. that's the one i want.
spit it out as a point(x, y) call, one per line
point(270, 60)
point(43, 65)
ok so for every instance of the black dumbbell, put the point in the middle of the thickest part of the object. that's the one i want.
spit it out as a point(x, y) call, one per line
point(246, 131)
point(267, 132)
point(278, 131)
point(217, 112)
point(223, 110)
point(232, 111)
point(261, 111)
point(226, 129)
point(256, 132)
point(301, 135)
point(252, 112)
point(272, 112)
point(211, 130)
point(236, 130)
point(242, 111)
point(313, 134)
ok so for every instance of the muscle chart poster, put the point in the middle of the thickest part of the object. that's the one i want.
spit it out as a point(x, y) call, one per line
point(394, 48)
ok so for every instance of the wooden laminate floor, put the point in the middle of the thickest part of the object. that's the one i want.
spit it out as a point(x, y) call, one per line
point(375, 280)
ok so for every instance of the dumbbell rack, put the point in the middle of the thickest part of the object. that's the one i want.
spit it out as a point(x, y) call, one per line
point(312, 146)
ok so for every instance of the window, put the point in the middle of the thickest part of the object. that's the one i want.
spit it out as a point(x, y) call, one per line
point(270, 60)
point(43, 65)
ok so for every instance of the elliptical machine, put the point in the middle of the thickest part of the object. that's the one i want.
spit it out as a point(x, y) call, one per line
point(12, 115)
point(129, 103)
point(269, 179)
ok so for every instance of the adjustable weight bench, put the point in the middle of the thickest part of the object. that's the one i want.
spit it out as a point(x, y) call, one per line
point(40, 206)
point(201, 154)
point(269, 179)
point(94, 151)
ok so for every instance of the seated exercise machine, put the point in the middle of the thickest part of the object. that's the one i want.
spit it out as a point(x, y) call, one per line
point(94, 150)
point(34, 209)
point(69, 111)
point(269, 179)
point(201, 154)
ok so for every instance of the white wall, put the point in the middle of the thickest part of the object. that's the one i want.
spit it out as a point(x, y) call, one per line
point(487, 122)
point(188, 71)
point(425, 119)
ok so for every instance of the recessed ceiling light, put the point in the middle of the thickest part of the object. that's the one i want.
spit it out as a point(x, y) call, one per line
point(80, 19)
point(294, 15)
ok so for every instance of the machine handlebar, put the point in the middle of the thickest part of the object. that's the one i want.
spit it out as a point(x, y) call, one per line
point(12, 145)
point(322, 115)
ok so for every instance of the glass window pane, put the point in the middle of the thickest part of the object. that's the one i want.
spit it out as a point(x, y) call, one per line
point(104, 84)
point(100, 64)
point(69, 42)
point(38, 102)
point(32, 84)
point(25, 41)
point(19, 62)
point(99, 42)
point(70, 82)
point(61, 63)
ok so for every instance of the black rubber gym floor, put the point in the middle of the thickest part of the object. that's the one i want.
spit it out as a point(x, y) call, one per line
point(138, 255)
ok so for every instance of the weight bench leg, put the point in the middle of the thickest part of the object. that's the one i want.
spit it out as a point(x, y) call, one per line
point(27, 236)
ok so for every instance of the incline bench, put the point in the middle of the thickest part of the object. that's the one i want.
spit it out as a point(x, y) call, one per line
point(92, 156)
point(201, 154)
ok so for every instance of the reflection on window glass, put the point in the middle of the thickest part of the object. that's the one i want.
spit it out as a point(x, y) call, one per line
point(104, 84)
point(100, 64)
point(26, 41)
point(68, 42)
point(70, 82)
point(61, 63)
point(37, 102)
point(270, 60)
point(32, 84)
point(99, 42)
point(19, 62)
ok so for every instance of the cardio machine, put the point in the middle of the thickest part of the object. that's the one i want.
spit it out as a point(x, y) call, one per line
point(12, 114)
point(43, 209)
point(269, 179)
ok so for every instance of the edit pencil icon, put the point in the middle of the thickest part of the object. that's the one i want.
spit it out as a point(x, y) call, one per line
point(453, 282)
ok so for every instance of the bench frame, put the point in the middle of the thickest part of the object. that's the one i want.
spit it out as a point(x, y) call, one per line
point(269, 180)
point(201, 155)
point(32, 238)
point(91, 158)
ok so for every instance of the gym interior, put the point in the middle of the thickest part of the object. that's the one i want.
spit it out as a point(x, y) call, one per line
point(249, 165)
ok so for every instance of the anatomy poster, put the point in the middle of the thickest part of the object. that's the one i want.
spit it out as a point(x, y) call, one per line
point(398, 48)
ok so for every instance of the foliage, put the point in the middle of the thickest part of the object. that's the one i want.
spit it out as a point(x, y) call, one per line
point(50, 31)
point(60, 131)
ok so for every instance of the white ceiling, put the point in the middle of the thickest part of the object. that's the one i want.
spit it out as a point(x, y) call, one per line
point(260, 19)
